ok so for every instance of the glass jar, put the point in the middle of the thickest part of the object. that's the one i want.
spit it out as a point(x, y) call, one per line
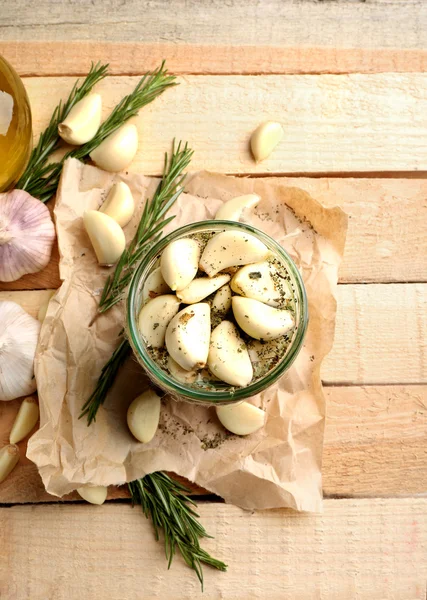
point(15, 126)
point(221, 393)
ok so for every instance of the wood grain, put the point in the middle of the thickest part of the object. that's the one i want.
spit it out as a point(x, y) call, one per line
point(127, 58)
point(366, 550)
point(380, 336)
point(385, 217)
point(343, 23)
point(332, 123)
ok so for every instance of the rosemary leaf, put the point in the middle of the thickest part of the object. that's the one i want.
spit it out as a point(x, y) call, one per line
point(150, 226)
point(170, 509)
point(149, 230)
point(147, 90)
point(105, 381)
point(33, 178)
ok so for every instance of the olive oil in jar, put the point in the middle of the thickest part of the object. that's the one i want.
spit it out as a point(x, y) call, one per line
point(15, 126)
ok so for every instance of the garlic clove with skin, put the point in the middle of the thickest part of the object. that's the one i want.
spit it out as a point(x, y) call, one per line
point(232, 209)
point(230, 249)
point(9, 457)
point(187, 336)
point(19, 334)
point(25, 420)
point(143, 416)
point(265, 138)
point(94, 494)
point(119, 204)
point(241, 419)
point(201, 287)
point(261, 281)
point(154, 286)
point(83, 121)
point(179, 263)
point(106, 236)
point(260, 321)
point(155, 317)
point(228, 356)
point(27, 234)
point(118, 150)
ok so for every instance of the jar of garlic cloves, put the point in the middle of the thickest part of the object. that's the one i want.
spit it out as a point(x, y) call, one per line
point(216, 312)
point(15, 126)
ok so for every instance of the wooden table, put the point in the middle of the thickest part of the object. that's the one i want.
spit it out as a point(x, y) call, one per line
point(355, 135)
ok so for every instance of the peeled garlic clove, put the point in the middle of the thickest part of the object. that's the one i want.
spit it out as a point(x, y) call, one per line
point(259, 320)
point(201, 287)
point(187, 336)
point(154, 286)
point(260, 281)
point(179, 263)
point(9, 457)
point(118, 150)
point(241, 419)
point(107, 237)
point(229, 249)
point(179, 373)
point(232, 210)
point(94, 494)
point(119, 204)
point(83, 120)
point(228, 356)
point(265, 138)
point(19, 333)
point(221, 302)
point(143, 416)
point(41, 315)
point(27, 234)
point(155, 317)
point(25, 420)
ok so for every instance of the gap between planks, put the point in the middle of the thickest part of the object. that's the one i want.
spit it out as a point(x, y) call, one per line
point(364, 549)
point(73, 59)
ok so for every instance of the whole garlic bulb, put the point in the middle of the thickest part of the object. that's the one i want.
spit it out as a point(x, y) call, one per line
point(19, 334)
point(26, 235)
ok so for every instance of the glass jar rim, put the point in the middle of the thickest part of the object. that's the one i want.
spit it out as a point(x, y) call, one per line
point(203, 396)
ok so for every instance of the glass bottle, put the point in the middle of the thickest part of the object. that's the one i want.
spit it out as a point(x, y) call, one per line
point(15, 126)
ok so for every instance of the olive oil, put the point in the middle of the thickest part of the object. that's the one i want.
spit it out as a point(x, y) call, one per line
point(15, 126)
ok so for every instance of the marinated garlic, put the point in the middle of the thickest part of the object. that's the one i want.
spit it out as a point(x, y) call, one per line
point(184, 343)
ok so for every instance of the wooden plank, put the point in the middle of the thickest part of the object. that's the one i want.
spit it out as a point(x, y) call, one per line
point(381, 335)
point(332, 123)
point(375, 441)
point(385, 215)
point(362, 549)
point(374, 24)
point(375, 445)
point(126, 58)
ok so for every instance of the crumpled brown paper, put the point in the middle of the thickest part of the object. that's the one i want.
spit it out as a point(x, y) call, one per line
point(278, 466)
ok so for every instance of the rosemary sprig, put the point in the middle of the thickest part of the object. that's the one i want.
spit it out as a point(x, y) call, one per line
point(149, 231)
point(150, 226)
point(147, 89)
point(171, 510)
point(105, 381)
point(33, 178)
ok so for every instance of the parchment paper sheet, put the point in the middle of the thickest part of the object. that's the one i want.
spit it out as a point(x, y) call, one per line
point(279, 465)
